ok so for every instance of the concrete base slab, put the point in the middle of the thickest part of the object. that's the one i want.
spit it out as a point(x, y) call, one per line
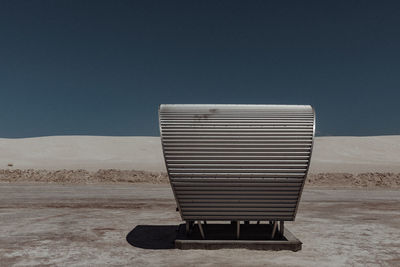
point(252, 236)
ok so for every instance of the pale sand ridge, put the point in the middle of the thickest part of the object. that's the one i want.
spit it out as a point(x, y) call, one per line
point(331, 154)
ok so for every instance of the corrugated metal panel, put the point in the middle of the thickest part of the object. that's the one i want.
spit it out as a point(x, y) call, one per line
point(237, 162)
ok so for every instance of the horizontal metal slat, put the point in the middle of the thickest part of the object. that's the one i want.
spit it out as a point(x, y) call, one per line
point(249, 213)
point(220, 122)
point(265, 175)
point(243, 123)
point(238, 152)
point(237, 145)
point(202, 113)
point(247, 193)
point(240, 210)
point(269, 143)
point(237, 130)
point(237, 165)
point(236, 155)
point(241, 218)
point(265, 169)
point(238, 180)
point(236, 127)
point(231, 201)
point(238, 197)
point(235, 184)
point(237, 137)
point(230, 189)
point(243, 162)
point(227, 119)
point(232, 205)
point(232, 136)
point(233, 115)
point(235, 111)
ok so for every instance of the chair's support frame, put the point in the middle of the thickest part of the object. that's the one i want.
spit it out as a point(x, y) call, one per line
point(276, 227)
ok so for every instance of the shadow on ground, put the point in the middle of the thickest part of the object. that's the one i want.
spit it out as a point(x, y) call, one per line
point(153, 236)
point(164, 236)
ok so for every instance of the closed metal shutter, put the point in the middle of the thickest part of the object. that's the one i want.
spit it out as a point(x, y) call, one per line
point(237, 162)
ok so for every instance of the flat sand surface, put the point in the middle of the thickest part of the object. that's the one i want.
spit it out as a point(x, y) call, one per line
point(341, 154)
point(80, 225)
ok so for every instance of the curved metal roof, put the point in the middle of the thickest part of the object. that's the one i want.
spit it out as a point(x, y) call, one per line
point(237, 162)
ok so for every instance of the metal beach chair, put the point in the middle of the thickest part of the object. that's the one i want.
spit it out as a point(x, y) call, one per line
point(237, 162)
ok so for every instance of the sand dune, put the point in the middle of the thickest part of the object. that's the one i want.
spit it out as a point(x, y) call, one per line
point(82, 152)
point(331, 154)
point(356, 154)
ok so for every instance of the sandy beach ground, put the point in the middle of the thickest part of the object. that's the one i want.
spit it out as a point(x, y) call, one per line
point(74, 200)
point(89, 225)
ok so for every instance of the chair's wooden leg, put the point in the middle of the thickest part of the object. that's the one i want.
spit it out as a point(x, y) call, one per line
point(237, 229)
point(187, 227)
point(274, 230)
point(201, 230)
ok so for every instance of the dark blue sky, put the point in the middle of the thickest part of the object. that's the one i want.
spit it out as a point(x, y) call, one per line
point(103, 67)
